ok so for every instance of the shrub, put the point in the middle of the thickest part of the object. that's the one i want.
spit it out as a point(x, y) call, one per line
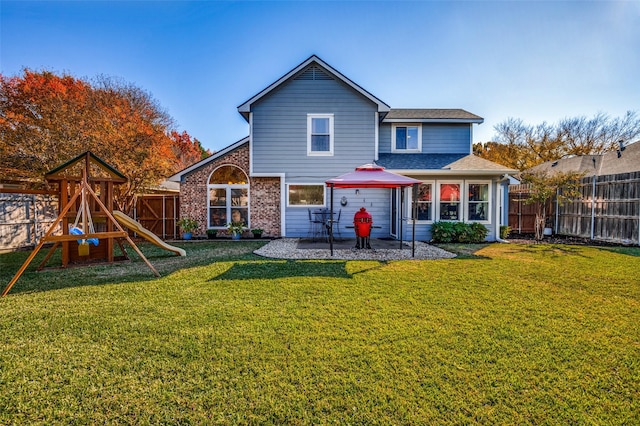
point(458, 232)
point(504, 231)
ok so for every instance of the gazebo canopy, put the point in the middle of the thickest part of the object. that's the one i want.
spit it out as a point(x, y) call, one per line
point(371, 176)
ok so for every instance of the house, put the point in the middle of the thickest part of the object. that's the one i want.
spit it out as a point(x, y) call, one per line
point(626, 159)
point(313, 124)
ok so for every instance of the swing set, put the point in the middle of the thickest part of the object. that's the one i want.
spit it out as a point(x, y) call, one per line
point(85, 194)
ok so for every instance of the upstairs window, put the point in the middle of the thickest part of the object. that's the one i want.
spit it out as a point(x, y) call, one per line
point(406, 138)
point(320, 134)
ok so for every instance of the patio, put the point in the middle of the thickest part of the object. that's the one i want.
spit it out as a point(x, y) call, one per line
point(383, 249)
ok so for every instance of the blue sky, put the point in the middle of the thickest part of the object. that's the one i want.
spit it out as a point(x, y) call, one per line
point(538, 61)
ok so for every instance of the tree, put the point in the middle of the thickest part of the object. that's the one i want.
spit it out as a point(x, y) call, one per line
point(522, 146)
point(46, 119)
point(187, 150)
point(544, 187)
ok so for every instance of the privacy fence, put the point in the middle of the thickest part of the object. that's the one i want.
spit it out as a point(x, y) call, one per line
point(607, 210)
point(26, 215)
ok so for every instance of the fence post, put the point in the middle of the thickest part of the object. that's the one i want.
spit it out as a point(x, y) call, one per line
point(593, 206)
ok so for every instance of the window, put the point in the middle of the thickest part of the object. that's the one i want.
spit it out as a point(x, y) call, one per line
point(450, 201)
point(306, 195)
point(424, 202)
point(320, 134)
point(228, 194)
point(478, 202)
point(406, 138)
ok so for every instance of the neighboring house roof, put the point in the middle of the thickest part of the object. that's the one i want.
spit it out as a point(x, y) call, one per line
point(224, 151)
point(438, 115)
point(245, 108)
point(441, 163)
point(626, 160)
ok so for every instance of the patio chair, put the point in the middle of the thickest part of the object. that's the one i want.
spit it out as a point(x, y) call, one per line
point(336, 224)
point(315, 226)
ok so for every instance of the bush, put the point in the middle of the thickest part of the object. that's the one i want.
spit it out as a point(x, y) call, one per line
point(504, 231)
point(458, 232)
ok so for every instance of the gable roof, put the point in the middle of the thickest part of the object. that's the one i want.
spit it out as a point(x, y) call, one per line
point(437, 164)
point(434, 115)
point(626, 160)
point(88, 158)
point(224, 151)
point(245, 108)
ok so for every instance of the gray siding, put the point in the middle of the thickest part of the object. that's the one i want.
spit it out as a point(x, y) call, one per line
point(423, 230)
point(376, 201)
point(279, 134)
point(436, 138)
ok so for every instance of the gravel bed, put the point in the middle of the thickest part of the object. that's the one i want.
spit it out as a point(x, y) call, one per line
point(287, 248)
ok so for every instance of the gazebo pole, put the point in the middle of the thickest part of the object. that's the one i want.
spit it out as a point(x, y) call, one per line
point(331, 222)
point(401, 219)
point(414, 210)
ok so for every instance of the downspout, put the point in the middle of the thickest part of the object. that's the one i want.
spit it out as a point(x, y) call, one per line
point(499, 203)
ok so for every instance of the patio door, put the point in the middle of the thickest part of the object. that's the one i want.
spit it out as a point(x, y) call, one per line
point(395, 202)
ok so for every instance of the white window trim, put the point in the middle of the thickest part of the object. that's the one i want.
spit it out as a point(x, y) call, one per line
point(228, 195)
point(393, 137)
point(310, 117)
point(433, 203)
point(228, 189)
point(436, 210)
point(304, 206)
point(467, 202)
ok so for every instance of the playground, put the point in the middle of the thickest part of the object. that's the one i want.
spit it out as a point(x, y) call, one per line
point(87, 229)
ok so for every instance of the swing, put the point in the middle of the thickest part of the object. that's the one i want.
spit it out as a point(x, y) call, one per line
point(83, 244)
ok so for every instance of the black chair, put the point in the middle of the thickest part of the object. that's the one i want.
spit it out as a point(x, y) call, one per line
point(315, 226)
point(336, 224)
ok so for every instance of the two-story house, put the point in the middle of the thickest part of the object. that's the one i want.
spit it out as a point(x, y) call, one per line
point(314, 124)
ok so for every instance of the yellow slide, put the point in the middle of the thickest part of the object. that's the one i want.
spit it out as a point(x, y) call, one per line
point(128, 222)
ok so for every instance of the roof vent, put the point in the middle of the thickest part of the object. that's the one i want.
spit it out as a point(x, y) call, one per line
point(313, 73)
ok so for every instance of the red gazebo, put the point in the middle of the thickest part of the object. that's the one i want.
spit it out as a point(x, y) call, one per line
point(373, 176)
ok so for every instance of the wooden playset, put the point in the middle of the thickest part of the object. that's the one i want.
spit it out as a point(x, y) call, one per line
point(85, 227)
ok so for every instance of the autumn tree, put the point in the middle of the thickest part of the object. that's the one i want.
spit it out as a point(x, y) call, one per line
point(544, 187)
point(187, 150)
point(522, 146)
point(46, 119)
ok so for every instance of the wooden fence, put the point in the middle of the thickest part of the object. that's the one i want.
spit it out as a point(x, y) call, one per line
point(25, 216)
point(159, 214)
point(608, 210)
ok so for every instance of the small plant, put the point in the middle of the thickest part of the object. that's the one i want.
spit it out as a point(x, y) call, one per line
point(504, 232)
point(188, 225)
point(211, 233)
point(257, 232)
point(235, 228)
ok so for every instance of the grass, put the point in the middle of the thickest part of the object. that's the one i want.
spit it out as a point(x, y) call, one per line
point(507, 334)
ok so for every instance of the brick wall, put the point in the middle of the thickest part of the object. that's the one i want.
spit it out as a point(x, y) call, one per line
point(264, 194)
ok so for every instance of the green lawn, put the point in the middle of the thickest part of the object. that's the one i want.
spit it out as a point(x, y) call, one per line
point(506, 334)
